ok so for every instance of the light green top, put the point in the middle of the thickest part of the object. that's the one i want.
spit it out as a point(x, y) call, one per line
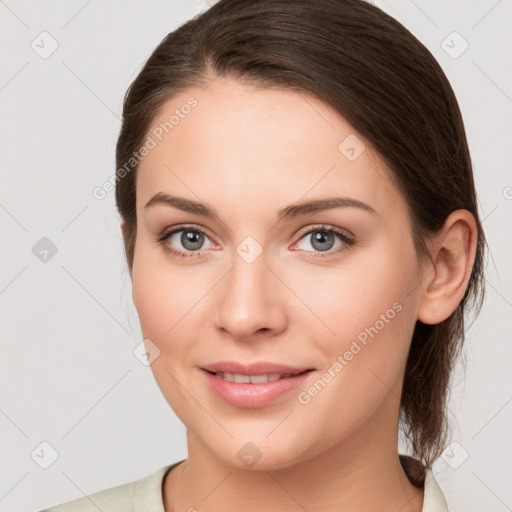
point(145, 495)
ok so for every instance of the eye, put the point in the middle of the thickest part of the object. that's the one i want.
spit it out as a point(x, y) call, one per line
point(190, 238)
point(323, 239)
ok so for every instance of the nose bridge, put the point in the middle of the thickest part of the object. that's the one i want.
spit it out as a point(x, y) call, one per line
point(249, 298)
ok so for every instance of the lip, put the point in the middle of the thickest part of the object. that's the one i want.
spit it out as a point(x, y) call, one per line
point(256, 368)
point(254, 395)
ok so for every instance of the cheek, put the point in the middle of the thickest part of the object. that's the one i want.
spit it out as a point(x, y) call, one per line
point(364, 362)
point(151, 308)
point(386, 319)
point(166, 297)
point(162, 314)
point(353, 296)
point(152, 292)
point(367, 316)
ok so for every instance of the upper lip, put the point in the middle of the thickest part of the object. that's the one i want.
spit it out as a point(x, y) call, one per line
point(257, 368)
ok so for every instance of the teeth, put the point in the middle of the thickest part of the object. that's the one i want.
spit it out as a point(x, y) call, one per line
point(252, 379)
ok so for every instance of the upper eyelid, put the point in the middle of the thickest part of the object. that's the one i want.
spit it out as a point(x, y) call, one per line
point(326, 227)
point(176, 229)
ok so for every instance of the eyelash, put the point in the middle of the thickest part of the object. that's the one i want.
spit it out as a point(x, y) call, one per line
point(164, 235)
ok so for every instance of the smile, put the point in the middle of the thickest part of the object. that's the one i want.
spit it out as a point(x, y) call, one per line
point(252, 391)
point(253, 379)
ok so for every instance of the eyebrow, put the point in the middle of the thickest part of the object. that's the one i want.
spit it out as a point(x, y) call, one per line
point(294, 210)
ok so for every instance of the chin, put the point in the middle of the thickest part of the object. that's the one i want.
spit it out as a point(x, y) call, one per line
point(264, 455)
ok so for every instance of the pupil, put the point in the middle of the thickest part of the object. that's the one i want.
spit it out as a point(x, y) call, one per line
point(192, 240)
point(321, 238)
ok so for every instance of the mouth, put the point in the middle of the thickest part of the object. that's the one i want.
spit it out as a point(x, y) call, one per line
point(263, 378)
point(254, 390)
point(253, 368)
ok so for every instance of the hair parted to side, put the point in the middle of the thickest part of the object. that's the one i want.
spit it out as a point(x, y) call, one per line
point(389, 87)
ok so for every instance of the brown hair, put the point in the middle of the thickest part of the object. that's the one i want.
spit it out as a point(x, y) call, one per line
point(389, 87)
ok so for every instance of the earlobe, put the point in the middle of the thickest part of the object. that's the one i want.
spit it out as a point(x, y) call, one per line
point(453, 256)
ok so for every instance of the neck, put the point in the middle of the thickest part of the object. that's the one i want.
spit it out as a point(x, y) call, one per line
point(357, 474)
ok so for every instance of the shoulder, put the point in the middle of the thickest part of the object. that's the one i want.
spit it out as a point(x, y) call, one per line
point(434, 499)
point(144, 494)
point(422, 477)
point(119, 499)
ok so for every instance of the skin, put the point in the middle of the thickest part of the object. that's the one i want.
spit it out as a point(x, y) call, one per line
point(249, 152)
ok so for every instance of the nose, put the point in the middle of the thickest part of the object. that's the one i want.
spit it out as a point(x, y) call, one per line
point(251, 300)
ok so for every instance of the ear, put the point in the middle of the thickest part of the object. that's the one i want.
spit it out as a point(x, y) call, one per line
point(453, 256)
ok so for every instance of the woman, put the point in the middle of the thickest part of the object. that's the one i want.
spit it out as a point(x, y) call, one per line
point(256, 134)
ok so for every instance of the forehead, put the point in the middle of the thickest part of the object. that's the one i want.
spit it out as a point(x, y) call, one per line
point(245, 143)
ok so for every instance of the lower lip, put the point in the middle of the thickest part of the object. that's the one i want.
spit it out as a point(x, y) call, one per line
point(253, 395)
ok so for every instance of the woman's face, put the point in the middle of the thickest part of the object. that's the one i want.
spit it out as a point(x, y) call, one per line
point(265, 282)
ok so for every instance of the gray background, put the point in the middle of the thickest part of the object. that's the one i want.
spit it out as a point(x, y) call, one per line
point(68, 374)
